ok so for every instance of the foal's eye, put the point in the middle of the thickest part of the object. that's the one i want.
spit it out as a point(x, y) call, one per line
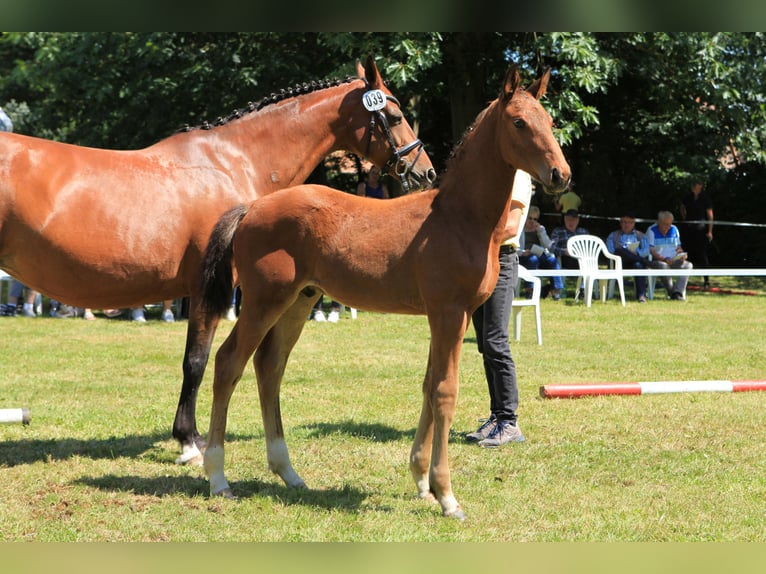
point(519, 123)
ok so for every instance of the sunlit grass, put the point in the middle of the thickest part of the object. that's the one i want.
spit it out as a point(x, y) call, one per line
point(97, 461)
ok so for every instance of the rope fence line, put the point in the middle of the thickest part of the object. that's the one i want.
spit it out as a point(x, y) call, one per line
point(716, 222)
point(709, 271)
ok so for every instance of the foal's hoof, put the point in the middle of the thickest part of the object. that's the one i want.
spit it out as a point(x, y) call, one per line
point(225, 493)
point(457, 513)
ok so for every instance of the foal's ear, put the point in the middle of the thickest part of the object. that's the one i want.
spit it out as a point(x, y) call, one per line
point(512, 82)
point(371, 73)
point(537, 89)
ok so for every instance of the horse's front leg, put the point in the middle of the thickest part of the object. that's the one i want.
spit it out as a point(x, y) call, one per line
point(440, 395)
point(199, 338)
point(270, 362)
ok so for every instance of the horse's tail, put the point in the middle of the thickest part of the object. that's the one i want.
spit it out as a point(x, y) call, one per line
point(216, 274)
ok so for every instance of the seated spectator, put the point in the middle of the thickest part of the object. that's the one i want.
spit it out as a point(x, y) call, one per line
point(15, 294)
point(632, 247)
point(667, 253)
point(561, 235)
point(536, 254)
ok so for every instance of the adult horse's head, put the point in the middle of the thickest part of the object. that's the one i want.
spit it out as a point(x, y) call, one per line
point(526, 138)
point(388, 140)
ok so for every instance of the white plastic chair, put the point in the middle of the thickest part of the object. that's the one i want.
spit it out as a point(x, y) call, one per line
point(587, 249)
point(517, 306)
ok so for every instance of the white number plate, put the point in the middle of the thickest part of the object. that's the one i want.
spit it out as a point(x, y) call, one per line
point(374, 100)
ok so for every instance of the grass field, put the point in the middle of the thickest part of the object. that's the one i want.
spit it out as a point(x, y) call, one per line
point(96, 464)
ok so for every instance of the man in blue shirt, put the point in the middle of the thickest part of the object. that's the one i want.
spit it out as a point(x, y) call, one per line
point(632, 247)
point(665, 247)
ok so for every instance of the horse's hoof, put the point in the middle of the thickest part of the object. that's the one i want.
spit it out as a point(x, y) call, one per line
point(190, 459)
point(191, 456)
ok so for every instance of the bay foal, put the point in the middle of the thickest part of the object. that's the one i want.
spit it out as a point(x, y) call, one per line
point(432, 253)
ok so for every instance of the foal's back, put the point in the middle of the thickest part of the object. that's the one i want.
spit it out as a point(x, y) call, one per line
point(359, 250)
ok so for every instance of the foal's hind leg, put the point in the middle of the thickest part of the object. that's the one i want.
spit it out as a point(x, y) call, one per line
point(230, 362)
point(270, 362)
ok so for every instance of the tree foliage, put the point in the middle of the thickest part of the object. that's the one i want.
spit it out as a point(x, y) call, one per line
point(637, 113)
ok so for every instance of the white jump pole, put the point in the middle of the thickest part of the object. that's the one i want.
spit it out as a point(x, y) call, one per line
point(571, 391)
point(15, 416)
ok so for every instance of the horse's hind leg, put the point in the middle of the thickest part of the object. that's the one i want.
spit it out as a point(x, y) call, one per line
point(270, 362)
point(199, 338)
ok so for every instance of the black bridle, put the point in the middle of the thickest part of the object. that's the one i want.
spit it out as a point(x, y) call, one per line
point(401, 167)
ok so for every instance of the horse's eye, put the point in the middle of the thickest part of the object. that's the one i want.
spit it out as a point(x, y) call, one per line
point(519, 123)
point(394, 119)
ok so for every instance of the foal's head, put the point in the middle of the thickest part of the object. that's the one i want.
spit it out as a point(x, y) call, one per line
point(525, 134)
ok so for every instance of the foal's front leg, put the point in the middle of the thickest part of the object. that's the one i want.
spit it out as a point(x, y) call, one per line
point(439, 401)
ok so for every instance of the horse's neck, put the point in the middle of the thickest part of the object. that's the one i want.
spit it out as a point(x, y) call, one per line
point(284, 142)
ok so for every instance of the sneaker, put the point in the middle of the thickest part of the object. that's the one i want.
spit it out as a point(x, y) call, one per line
point(556, 294)
point(319, 316)
point(504, 432)
point(676, 296)
point(483, 431)
point(168, 317)
point(642, 299)
point(112, 313)
point(64, 312)
point(88, 315)
point(334, 316)
point(28, 310)
point(138, 315)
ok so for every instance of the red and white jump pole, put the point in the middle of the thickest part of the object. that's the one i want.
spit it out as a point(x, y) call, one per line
point(15, 416)
point(572, 391)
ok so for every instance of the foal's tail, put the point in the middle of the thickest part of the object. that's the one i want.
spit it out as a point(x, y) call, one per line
point(216, 274)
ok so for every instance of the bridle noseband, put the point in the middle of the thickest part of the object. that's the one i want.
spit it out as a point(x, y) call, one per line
point(401, 167)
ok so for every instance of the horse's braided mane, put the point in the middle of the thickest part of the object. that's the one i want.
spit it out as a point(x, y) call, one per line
point(273, 98)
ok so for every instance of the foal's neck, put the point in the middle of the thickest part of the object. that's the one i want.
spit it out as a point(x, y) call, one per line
point(478, 183)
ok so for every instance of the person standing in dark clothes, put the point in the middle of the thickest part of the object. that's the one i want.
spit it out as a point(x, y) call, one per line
point(697, 214)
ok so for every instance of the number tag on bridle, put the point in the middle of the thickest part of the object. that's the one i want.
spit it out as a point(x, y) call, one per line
point(374, 100)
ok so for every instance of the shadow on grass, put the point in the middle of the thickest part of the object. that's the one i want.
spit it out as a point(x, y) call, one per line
point(372, 431)
point(26, 451)
point(346, 498)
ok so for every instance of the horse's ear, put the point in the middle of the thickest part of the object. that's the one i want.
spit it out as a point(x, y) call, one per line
point(359, 68)
point(511, 83)
point(371, 73)
point(537, 89)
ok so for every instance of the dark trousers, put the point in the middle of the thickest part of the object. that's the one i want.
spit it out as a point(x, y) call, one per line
point(491, 322)
point(632, 260)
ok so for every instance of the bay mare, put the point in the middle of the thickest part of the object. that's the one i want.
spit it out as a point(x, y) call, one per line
point(105, 228)
point(434, 253)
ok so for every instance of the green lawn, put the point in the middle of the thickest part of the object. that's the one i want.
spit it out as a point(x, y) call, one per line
point(96, 464)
